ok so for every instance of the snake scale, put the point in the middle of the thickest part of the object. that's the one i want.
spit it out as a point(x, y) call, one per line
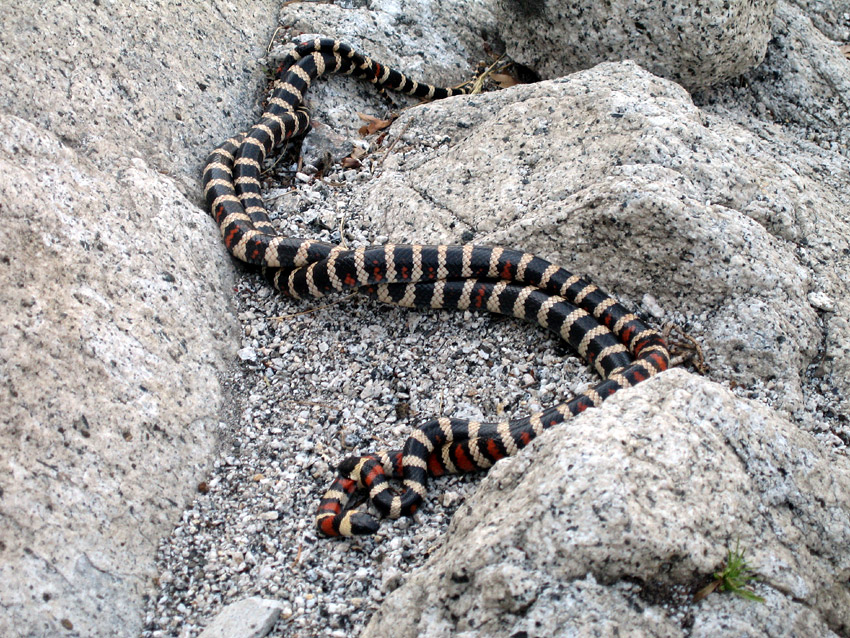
point(620, 346)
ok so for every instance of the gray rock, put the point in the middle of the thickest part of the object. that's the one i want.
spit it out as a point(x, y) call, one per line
point(111, 343)
point(694, 43)
point(798, 100)
point(248, 618)
point(831, 17)
point(778, 617)
point(614, 173)
point(115, 290)
point(803, 84)
point(158, 81)
point(652, 488)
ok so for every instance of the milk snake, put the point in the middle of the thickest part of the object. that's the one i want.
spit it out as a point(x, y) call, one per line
point(621, 347)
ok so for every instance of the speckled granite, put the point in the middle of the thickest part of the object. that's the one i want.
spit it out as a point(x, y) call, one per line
point(694, 43)
point(114, 289)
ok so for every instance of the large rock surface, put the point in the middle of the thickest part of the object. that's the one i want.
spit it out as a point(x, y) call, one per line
point(127, 79)
point(798, 105)
point(115, 291)
point(803, 84)
point(618, 175)
point(649, 490)
point(726, 214)
point(697, 43)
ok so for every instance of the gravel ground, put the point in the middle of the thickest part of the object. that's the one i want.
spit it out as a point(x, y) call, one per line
point(318, 381)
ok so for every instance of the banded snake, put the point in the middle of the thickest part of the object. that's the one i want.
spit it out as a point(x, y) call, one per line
point(621, 347)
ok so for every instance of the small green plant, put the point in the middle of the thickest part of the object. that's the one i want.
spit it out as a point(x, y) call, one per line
point(734, 577)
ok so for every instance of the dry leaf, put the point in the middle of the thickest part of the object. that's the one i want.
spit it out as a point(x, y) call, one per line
point(845, 49)
point(504, 80)
point(353, 159)
point(705, 591)
point(374, 124)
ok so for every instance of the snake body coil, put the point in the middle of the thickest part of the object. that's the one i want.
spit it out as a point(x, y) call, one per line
point(622, 349)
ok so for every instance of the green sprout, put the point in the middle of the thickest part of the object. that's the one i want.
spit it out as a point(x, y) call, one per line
point(734, 577)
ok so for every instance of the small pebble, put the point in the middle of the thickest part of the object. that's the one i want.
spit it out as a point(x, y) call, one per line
point(248, 618)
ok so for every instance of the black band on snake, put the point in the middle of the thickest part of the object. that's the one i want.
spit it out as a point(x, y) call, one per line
point(621, 347)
